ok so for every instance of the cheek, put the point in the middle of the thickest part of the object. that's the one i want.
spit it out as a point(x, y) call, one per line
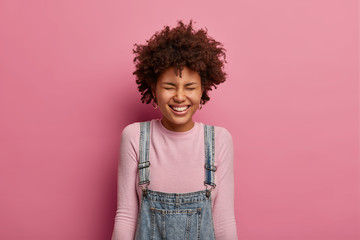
point(163, 97)
point(196, 97)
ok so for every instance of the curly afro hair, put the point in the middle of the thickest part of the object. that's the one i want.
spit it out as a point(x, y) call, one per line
point(178, 47)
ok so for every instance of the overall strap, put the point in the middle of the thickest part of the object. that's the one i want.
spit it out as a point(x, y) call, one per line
point(209, 142)
point(144, 164)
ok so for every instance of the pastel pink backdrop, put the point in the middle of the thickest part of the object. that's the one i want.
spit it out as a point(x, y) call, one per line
point(291, 102)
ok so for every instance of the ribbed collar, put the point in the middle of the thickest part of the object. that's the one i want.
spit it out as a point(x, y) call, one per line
point(158, 125)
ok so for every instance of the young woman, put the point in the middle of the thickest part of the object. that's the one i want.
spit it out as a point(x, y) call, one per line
point(175, 177)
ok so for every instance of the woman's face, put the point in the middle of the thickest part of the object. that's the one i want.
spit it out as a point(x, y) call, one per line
point(178, 98)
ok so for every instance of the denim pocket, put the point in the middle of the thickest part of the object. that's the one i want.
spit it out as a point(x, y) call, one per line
point(175, 224)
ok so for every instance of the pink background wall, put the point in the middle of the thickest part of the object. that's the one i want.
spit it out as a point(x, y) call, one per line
point(291, 102)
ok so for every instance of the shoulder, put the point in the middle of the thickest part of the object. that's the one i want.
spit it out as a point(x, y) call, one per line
point(223, 146)
point(223, 138)
point(222, 135)
point(131, 129)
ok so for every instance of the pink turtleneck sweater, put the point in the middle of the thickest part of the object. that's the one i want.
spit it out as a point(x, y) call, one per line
point(177, 165)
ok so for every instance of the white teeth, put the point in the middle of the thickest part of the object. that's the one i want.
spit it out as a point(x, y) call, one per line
point(180, 109)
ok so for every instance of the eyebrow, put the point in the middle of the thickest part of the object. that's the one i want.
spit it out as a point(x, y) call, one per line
point(173, 84)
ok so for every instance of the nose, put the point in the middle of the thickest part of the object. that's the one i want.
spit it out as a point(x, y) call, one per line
point(179, 96)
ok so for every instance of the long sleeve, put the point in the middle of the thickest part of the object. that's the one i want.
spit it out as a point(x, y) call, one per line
point(223, 211)
point(127, 199)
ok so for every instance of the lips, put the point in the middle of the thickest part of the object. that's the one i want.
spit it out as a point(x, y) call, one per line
point(179, 110)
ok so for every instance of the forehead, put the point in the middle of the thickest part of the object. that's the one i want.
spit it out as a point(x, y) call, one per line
point(187, 75)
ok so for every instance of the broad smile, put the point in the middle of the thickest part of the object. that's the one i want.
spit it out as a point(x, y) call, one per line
point(180, 110)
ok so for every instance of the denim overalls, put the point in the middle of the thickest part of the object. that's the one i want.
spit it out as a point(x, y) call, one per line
point(175, 216)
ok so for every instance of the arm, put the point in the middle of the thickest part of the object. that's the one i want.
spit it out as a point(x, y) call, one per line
point(223, 211)
point(127, 200)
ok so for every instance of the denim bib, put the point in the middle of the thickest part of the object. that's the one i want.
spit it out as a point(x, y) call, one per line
point(175, 216)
